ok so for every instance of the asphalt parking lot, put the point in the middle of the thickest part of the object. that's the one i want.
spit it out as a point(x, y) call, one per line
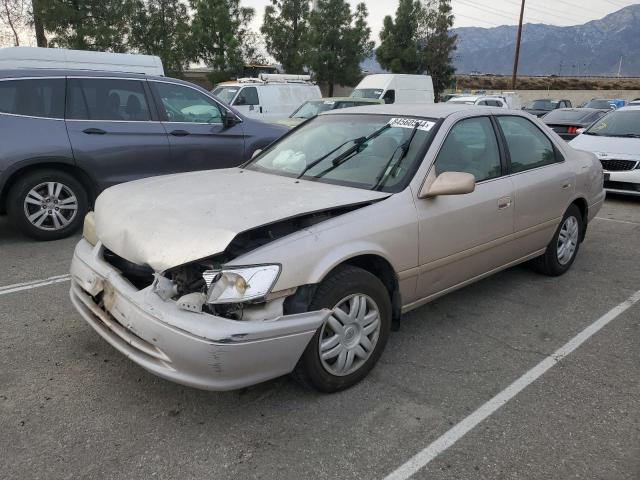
point(72, 407)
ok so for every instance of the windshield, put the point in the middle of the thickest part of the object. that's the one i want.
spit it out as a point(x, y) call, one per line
point(311, 109)
point(365, 151)
point(541, 105)
point(226, 94)
point(598, 104)
point(367, 93)
point(624, 123)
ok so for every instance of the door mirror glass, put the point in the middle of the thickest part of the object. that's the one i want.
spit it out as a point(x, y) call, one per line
point(449, 183)
point(229, 119)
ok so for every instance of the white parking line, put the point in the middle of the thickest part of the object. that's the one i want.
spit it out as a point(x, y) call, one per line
point(422, 458)
point(18, 287)
point(617, 221)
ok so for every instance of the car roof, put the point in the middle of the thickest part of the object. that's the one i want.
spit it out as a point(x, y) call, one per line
point(427, 110)
point(583, 109)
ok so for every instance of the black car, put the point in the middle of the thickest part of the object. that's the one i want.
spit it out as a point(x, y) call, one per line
point(66, 135)
point(543, 106)
point(566, 121)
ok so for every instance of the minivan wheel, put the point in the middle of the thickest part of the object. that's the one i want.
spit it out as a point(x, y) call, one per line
point(348, 345)
point(563, 248)
point(47, 204)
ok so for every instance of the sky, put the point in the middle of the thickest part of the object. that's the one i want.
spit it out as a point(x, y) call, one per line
point(479, 13)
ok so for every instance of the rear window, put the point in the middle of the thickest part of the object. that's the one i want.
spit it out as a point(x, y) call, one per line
point(33, 97)
point(564, 116)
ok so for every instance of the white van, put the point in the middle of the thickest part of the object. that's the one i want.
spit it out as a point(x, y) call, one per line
point(396, 88)
point(271, 97)
point(63, 59)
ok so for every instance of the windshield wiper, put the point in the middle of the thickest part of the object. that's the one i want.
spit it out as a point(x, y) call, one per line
point(343, 157)
point(593, 133)
point(381, 179)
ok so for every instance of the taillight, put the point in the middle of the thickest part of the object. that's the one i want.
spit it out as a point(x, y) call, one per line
point(572, 130)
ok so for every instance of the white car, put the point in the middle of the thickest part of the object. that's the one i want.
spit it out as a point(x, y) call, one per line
point(615, 139)
point(485, 101)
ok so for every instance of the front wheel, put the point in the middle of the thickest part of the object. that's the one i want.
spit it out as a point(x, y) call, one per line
point(47, 204)
point(348, 345)
point(563, 248)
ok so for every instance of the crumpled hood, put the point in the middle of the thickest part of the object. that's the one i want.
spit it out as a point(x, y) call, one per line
point(613, 147)
point(170, 220)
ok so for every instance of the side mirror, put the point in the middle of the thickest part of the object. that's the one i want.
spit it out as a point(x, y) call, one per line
point(229, 119)
point(581, 130)
point(256, 153)
point(449, 183)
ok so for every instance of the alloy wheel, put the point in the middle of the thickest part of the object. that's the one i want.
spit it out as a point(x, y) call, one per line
point(50, 206)
point(567, 240)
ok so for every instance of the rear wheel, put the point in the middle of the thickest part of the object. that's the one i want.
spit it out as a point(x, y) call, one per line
point(47, 204)
point(563, 248)
point(347, 346)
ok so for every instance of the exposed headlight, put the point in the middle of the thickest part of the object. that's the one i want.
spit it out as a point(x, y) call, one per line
point(236, 285)
point(89, 229)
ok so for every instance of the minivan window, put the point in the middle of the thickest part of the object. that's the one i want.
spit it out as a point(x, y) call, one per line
point(528, 146)
point(33, 97)
point(367, 93)
point(389, 96)
point(107, 99)
point(471, 147)
point(247, 96)
point(186, 105)
point(226, 94)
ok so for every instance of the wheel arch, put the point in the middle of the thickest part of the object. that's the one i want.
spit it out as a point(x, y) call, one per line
point(582, 205)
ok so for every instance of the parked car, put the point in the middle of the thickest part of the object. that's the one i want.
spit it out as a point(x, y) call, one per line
point(483, 101)
point(313, 107)
point(567, 121)
point(615, 139)
point(57, 156)
point(634, 103)
point(448, 96)
point(269, 98)
point(543, 106)
point(302, 259)
point(604, 103)
point(12, 58)
point(396, 88)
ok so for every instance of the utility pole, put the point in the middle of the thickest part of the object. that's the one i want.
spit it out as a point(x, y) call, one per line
point(517, 56)
point(620, 67)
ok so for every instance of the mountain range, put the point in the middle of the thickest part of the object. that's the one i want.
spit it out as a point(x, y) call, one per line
point(594, 48)
point(598, 47)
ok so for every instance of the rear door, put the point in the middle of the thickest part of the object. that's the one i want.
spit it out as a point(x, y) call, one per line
point(544, 182)
point(112, 129)
point(193, 121)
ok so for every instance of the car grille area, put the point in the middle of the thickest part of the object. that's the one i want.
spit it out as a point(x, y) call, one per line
point(631, 187)
point(619, 165)
point(140, 276)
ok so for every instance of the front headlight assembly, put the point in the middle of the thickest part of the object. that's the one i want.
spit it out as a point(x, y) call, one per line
point(240, 284)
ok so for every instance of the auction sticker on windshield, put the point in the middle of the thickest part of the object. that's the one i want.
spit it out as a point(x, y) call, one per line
point(425, 125)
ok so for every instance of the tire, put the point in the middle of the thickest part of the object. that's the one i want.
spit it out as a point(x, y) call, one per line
point(60, 197)
point(554, 261)
point(362, 340)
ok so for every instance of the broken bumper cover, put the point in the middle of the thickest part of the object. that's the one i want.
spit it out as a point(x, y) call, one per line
point(194, 349)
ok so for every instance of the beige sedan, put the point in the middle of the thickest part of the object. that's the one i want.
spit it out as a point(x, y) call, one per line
point(301, 260)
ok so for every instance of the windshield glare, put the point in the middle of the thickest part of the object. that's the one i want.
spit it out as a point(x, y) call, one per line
point(377, 163)
point(367, 93)
point(619, 123)
point(226, 94)
point(311, 109)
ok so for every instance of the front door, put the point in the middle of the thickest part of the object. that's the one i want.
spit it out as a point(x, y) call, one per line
point(112, 132)
point(463, 236)
point(194, 123)
point(248, 103)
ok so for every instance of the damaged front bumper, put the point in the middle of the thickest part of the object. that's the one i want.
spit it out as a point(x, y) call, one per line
point(195, 349)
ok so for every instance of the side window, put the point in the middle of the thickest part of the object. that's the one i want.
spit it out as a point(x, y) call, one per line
point(186, 105)
point(483, 102)
point(107, 99)
point(247, 96)
point(471, 147)
point(389, 96)
point(33, 97)
point(528, 146)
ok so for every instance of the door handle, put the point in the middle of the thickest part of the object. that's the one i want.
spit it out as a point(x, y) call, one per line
point(566, 185)
point(504, 202)
point(179, 133)
point(260, 109)
point(94, 131)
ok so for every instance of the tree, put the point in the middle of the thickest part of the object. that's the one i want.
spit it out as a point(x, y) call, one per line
point(285, 28)
point(14, 13)
point(338, 42)
point(87, 24)
point(41, 39)
point(218, 33)
point(161, 27)
point(398, 51)
point(437, 44)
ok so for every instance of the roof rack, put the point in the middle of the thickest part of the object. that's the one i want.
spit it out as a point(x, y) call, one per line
point(277, 78)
